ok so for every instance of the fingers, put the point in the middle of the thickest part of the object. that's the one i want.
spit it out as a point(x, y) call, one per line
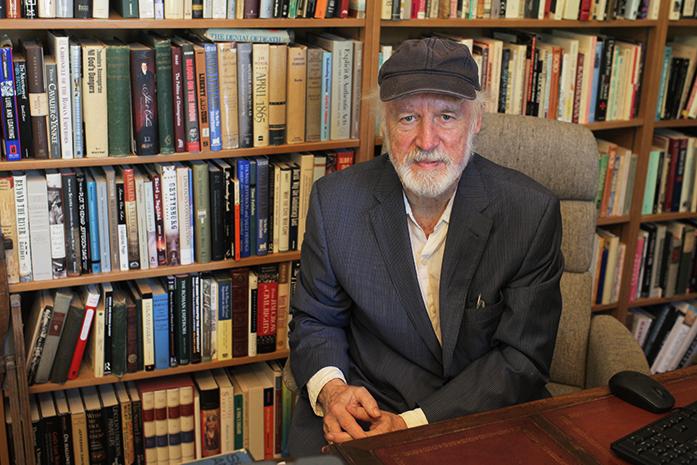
point(348, 423)
point(338, 437)
point(368, 402)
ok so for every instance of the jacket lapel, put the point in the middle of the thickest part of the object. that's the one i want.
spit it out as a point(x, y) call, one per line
point(468, 233)
point(389, 223)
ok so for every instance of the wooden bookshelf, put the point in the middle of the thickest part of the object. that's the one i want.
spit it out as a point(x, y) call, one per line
point(117, 22)
point(153, 272)
point(603, 308)
point(683, 23)
point(609, 220)
point(661, 300)
point(517, 23)
point(29, 164)
point(675, 123)
point(670, 216)
point(88, 379)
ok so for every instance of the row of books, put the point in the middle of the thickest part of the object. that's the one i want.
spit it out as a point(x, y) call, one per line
point(677, 90)
point(664, 260)
point(671, 177)
point(183, 9)
point(155, 324)
point(584, 10)
point(606, 265)
point(667, 334)
point(94, 220)
point(563, 75)
point(165, 421)
point(169, 95)
point(617, 172)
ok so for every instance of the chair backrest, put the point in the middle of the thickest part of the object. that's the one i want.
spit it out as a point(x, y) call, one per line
point(564, 158)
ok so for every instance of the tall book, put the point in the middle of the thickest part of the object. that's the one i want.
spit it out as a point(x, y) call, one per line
point(76, 98)
point(145, 114)
point(227, 76)
point(22, 217)
point(202, 217)
point(163, 63)
point(56, 215)
point(118, 98)
point(94, 98)
point(78, 427)
point(59, 44)
point(36, 87)
point(11, 147)
point(278, 65)
point(295, 93)
point(260, 93)
point(213, 93)
point(37, 202)
point(244, 94)
point(8, 226)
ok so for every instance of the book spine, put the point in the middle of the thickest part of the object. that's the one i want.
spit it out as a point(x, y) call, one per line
point(38, 217)
point(186, 246)
point(22, 220)
point(131, 206)
point(212, 90)
point(54, 137)
point(142, 222)
point(108, 331)
point(94, 100)
point(193, 134)
point(56, 217)
point(294, 208)
point(145, 116)
point(196, 318)
point(171, 214)
point(202, 217)
point(103, 209)
point(326, 96)
point(173, 320)
point(278, 65)
point(93, 215)
point(10, 121)
point(23, 111)
point(217, 215)
point(243, 175)
point(202, 97)
point(159, 220)
point(38, 103)
point(83, 222)
point(240, 322)
point(119, 99)
point(162, 330)
point(182, 319)
point(262, 203)
point(260, 94)
point(72, 224)
point(244, 93)
point(163, 61)
point(8, 226)
point(90, 308)
point(178, 100)
point(187, 429)
point(151, 224)
point(224, 329)
point(227, 76)
point(76, 97)
point(122, 226)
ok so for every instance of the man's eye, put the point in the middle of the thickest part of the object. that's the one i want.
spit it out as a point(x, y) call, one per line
point(447, 117)
point(408, 119)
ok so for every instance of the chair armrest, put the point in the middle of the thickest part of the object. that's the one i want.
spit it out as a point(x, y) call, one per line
point(611, 348)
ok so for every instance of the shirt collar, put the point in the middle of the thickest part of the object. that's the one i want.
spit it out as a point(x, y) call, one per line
point(444, 218)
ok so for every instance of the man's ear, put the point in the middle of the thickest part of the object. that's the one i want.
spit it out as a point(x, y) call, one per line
point(478, 123)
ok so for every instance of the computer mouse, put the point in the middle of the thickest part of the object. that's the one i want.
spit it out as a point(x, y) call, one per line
point(642, 391)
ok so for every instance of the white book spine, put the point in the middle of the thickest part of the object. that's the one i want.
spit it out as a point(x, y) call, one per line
point(61, 50)
point(171, 217)
point(123, 247)
point(284, 232)
point(97, 343)
point(219, 7)
point(103, 209)
point(142, 224)
point(22, 219)
point(146, 9)
point(150, 223)
point(174, 9)
point(174, 426)
point(185, 239)
point(207, 9)
point(342, 77)
point(159, 9)
point(214, 318)
point(266, 9)
point(186, 7)
point(64, 9)
point(56, 226)
point(76, 99)
point(37, 202)
point(100, 9)
point(47, 8)
point(231, 9)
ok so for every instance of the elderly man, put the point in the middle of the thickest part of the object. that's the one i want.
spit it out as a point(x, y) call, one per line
point(429, 283)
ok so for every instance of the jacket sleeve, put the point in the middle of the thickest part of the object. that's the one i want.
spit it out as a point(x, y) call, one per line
point(516, 369)
point(320, 306)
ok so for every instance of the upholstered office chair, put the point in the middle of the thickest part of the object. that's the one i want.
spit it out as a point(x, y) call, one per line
point(564, 158)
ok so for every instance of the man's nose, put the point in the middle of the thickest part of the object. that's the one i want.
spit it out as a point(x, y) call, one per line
point(427, 137)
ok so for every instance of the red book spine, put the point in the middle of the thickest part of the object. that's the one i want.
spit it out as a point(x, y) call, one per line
point(585, 12)
point(269, 423)
point(13, 9)
point(344, 9)
point(76, 362)
point(178, 95)
point(344, 159)
point(193, 144)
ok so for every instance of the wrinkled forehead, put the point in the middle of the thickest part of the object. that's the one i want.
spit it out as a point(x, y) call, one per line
point(427, 101)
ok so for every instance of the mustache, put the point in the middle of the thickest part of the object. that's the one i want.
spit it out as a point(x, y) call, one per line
point(418, 156)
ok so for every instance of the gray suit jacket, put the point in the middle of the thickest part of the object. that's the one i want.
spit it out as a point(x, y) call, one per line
point(357, 304)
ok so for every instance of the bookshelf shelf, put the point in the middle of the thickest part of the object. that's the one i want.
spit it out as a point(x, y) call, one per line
point(668, 216)
point(683, 23)
point(608, 220)
point(87, 379)
point(116, 22)
point(153, 272)
point(601, 308)
point(661, 300)
point(517, 23)
point(676, 123)
point(30, 164)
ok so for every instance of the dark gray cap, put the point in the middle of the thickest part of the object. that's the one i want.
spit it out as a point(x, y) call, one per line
point(436, 65)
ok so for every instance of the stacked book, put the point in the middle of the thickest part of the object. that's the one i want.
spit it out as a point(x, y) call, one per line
point(667, 334)
point(677, 90)
point(584, 10)
point(617, 171)
point(158, 323)
point(94, 220)
point(563, 75)
point(671, 176)
point(664, 262)
point(186, 9)
point(165, 421)
point(180, 94)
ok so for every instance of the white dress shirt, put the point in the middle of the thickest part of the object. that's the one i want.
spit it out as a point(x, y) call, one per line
point(428, 261)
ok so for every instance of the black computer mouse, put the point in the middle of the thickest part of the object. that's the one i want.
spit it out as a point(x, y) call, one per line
point(641, 390)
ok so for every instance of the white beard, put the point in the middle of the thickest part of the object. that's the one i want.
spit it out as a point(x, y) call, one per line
point(431, 183)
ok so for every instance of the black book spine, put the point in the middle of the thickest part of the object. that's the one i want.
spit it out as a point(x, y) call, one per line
point(112, 423)
point(332, 8)
point(71, 224)
point(218, 214)
point(66, 345)
point(196, 320)
point(395, 10)
point(269, 208)
point(679, 175)
point(82, 9)
point(137, 419)
point(53, 442)
point(649, 260)
point(173, 319)
point(284, 8)
point(30, 9)
point(83, 222)
point(197, 9)
point(66, 436)
point(604, 81)
point(23, 111)
point(96, 437)
point(145, 115)
point(182, 320)
point(108, 330)
point(661, 335)
point(294, 208)
point(277, 8)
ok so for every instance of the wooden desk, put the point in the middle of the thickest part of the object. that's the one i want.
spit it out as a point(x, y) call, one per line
point(567, 430)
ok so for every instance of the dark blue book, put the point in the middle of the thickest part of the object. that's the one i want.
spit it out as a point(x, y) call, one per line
point(213, 95)
point(243, 176)
point(262, 203)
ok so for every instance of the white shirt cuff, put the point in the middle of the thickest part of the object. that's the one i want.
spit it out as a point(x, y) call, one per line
point(317, 382)
point(414, 418)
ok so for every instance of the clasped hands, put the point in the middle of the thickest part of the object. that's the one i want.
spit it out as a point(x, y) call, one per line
point(345, 405)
